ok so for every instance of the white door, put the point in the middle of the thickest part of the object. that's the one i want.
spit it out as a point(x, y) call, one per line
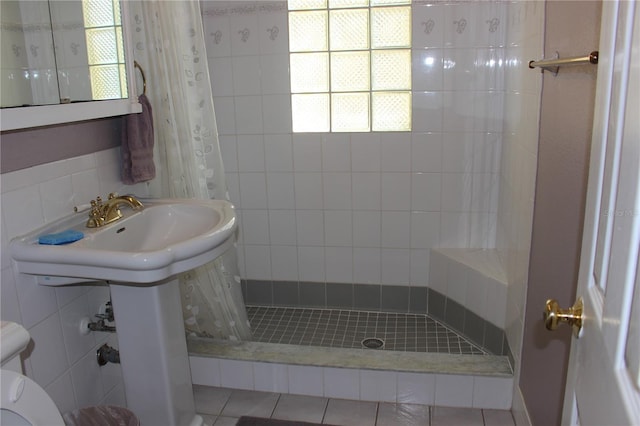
point(604, 379)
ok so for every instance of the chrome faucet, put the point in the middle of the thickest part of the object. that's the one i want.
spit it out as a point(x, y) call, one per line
point(105, 213)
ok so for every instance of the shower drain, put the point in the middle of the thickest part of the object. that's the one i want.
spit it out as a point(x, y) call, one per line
point(372, 343)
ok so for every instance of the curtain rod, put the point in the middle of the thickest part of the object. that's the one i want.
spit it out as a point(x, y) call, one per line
point(553, 64)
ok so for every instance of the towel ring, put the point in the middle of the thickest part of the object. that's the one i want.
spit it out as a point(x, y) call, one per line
point(144, 78)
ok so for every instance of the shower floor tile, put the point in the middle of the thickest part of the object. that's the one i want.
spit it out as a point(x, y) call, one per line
point(338, 328)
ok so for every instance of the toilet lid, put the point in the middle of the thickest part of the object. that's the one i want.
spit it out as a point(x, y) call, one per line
point(26, 398)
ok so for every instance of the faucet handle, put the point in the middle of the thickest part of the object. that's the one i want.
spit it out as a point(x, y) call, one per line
point(113, 195)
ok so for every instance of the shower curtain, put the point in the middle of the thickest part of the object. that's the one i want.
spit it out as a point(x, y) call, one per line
point(168, 43)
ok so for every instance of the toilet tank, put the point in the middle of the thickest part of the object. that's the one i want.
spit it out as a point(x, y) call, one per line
point(14, 339)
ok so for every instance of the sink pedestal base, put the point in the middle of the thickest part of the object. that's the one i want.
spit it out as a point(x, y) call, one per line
point(153, 353)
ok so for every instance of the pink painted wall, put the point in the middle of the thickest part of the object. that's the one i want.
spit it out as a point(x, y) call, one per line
point(30, 147)
point(572, 29)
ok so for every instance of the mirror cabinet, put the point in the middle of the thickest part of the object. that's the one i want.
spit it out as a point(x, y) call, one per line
point(64, 61)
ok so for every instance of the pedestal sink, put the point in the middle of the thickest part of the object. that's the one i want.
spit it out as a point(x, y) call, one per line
point(139, 257)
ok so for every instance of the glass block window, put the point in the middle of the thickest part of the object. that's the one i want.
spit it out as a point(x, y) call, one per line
point(350, 65)
point(105, 48)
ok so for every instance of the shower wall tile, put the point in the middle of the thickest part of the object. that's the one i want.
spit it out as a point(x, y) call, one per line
point(395, 191)
point(338, 228)
point(427, 69)
point(225, 115)
point(415, 388)
point(366, 265)
point(453, 391)
point(282, 227)
point(255, 227)
point(236, 374)
point(365, 152)
point(268, 377)
point(339, 295)
point(276, 111)
point(366, 191)
point(336, 188)
point(311, 264)
point(222, 69)
point(418, 300)
point(336, 153)
point(364, 385)
point(492, 392)
point(395, 299)
point(259, 292)
point(426, 192)
point(304, 380)
point(312, 294)
point(284, 263)
point(426, 152)
point(367, 228)
point(243, 29)
point(396, 229)
point(246, 75)
point(307, 152)
point(273, 28)
point(285, 293)
point(308, 191)
point(395, 149)
point(250, 153)
point(339, 264)
point(428, 111)
point(248, 115)
point(274, 74)
point(429, 25)
point(280, 191)
point(378, 385)
point(419, 268)
point(374, 190)
point(217, 35)
point(395, 267)
point(257, 262)
point(229, 153)
point(366, 296)
point(341, 383)
point(310, 227)
point(278, 153)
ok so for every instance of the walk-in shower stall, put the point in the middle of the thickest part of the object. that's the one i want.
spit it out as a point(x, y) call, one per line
point(380, 265)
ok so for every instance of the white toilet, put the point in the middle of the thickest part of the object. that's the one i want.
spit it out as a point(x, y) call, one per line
point(24, 402)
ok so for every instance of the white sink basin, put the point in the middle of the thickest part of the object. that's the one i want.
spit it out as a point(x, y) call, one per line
point(166, 237)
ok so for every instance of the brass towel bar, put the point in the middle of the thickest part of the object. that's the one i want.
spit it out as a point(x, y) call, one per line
point(555, 63)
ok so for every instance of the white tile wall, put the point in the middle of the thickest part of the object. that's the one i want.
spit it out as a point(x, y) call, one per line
point(474, 278)
point(524, 33)
point(356, 384)
point(60, 358)
point(444, 166)
point(462, 178)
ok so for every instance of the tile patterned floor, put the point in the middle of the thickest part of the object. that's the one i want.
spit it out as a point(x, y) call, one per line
point(223, 407)
point(347, 329)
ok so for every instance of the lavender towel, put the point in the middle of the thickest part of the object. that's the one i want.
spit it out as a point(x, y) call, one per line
point(137, 145)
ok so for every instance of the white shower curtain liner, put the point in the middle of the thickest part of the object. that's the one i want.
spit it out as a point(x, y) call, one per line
point(168, 42)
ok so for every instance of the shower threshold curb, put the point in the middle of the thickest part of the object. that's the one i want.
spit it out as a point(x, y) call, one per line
point(367, 359)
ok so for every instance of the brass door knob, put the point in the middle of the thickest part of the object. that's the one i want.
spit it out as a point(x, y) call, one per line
point(553, 315)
